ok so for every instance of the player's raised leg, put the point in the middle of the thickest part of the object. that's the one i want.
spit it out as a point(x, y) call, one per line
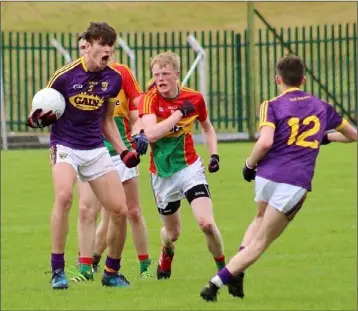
point(138, 226)
point(109, 191)
point(64, 177)
point(284, 201)
point(89, 208)
point(169, 234)
point(273, 224)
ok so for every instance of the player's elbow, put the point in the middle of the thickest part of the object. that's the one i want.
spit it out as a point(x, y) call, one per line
point(350, 133)
point(265, 144)
point(265, 140)
point(352, 137)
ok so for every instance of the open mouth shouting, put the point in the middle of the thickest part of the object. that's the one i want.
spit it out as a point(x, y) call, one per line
point(162, 85)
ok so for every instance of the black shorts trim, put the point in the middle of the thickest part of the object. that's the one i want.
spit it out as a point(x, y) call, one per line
point(198, 191)
point(170, 209)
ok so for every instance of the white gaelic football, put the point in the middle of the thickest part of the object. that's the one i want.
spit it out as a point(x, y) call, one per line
point(49, 99)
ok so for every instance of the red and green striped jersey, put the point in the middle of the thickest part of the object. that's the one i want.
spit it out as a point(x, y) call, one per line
point(175, 150)
point(130, 90)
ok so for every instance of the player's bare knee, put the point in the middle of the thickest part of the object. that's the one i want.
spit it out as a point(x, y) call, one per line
point(173, 234)
point(64, 199)
point(207, 227)
point(134, 213)
point(120, 210)
point(86, 211)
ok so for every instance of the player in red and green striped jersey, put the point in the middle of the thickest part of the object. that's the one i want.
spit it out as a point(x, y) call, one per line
point(168, 113)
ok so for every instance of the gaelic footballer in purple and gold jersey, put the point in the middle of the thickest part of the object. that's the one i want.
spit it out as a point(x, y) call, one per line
point(300, 121)
point(293, 126)
point(87, 94)
point(90, 87)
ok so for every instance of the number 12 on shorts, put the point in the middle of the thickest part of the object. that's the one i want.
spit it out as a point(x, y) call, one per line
point(300, 140)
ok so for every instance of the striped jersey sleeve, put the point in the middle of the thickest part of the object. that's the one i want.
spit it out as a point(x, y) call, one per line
point(130, 85)
point(147, 104)
point(57, 80)
point(267, 116)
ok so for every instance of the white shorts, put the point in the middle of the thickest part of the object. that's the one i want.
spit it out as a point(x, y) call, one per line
point(89, 164)
point(124, 172)
point(286, 198)
point(173, 188)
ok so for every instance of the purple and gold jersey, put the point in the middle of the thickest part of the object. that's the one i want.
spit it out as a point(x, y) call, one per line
point(300, 120)
point(87, 94)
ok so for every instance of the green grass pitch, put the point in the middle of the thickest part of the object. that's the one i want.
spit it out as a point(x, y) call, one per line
point(311, 267)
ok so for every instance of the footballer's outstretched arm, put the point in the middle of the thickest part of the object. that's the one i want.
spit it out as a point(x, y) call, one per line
point(346, 134)
point(110, 130)
point(154, 130)
point(209, 136)
point(262, 146)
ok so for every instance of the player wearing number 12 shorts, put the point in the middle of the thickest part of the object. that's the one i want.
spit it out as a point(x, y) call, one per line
point(282, 163)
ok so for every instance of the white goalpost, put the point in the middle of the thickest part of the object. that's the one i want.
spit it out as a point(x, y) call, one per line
point(130, 54)
point(200, 61)
point(61, 50)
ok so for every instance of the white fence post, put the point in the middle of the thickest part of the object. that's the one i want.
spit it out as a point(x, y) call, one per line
point(201, 58)
point(130, 54)
point(2, 109)
point(61, 50)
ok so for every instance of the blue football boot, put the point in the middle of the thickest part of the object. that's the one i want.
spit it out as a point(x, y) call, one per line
point(59, 279)
point(114, 280)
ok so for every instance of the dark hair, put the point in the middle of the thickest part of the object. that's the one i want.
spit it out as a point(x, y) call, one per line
point(291, 70)
point(101, 32)
point(80, 36)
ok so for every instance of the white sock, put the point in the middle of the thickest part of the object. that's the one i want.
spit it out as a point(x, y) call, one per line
point(217, 281)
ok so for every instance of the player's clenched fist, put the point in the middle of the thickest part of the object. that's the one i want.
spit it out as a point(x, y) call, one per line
point(141, 142)
point(36, 120)
point(186, 108)
point(130, 158)
point(214, 163)
point(248, 172)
